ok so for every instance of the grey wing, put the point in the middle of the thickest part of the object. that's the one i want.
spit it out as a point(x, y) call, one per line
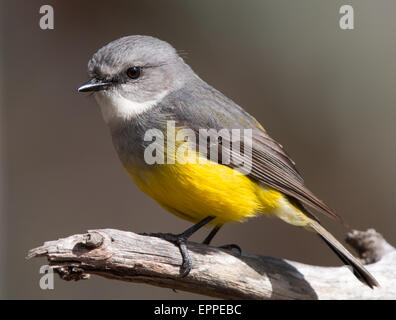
point(269, 163)
point(272, 166)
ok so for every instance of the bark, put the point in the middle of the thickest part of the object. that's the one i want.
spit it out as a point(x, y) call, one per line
point(127, 256)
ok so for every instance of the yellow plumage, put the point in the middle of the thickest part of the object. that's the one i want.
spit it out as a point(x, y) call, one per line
point(193, 191)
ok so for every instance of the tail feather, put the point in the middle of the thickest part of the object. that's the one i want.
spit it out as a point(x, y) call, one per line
point(358, 269)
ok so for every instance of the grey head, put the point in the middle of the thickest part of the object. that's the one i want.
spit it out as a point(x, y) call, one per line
point(131, 74)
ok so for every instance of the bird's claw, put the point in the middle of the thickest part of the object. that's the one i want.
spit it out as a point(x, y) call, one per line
point(231, 247)
point(181, 242)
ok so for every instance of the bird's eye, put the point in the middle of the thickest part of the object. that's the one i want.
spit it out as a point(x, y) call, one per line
point(133, 72)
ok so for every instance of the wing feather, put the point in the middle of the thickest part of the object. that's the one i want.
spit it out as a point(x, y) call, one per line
point(269, 164)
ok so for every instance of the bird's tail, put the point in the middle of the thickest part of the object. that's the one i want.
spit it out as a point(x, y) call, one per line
point(357, 268)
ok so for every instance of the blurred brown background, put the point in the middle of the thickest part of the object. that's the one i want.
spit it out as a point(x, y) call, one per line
point(326, 94)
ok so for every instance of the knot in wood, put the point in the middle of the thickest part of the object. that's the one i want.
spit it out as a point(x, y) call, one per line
point(92, 240)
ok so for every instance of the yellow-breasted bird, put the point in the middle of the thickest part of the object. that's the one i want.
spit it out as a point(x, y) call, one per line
point(144, 88)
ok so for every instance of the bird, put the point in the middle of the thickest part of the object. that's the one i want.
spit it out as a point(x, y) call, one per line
point(145, 89)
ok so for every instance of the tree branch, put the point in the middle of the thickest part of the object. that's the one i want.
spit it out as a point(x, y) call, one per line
point(218, 273)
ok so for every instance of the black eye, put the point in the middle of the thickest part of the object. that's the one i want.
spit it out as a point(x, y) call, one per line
point(133, 72)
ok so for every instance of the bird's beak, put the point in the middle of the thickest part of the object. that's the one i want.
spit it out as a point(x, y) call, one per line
point(94, 85)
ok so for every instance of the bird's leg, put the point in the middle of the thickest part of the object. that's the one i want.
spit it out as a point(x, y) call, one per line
point(180, 240)
point(211, 235)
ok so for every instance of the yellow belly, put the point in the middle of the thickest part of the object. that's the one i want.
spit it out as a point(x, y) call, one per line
point(195, 191)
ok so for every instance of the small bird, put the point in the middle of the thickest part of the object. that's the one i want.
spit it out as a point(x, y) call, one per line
point(141, 84)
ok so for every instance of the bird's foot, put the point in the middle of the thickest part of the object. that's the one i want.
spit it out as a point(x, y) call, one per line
point(180, 241)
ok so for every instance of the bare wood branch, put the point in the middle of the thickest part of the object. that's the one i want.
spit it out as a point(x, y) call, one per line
point(218, 273)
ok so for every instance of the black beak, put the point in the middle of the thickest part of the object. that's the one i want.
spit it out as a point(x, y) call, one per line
point(94, 85)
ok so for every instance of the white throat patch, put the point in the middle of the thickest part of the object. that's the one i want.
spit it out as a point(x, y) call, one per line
point(115, 107)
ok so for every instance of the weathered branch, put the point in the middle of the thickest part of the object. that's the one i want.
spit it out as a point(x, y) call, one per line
point(218, 273)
